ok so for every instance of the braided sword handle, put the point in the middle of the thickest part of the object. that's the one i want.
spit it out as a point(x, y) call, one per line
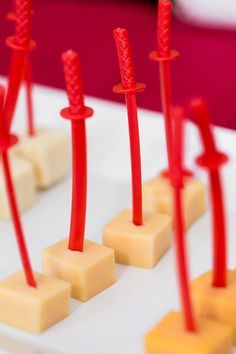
point(23, 16)
point(163, 28)
point(73, 80)
point(125, 58)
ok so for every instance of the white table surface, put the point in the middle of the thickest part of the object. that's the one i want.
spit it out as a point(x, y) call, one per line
point(217, 13)
point(116, 320)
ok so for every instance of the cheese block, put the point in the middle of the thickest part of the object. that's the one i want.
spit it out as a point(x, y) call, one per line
point(170, 337)
point(216, 303)
point(157, 197)
point(49, 153)
point(89, 272)
point(140, 246)
point(33, 309)
point(24, 185)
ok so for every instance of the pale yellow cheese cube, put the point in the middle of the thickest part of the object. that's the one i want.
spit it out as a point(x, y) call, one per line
point(140, 246)
point(33, 309)
point(49, 152)
point(170, 337)
point(157, 197)
point(24, 184)
point(215, 303)
point(89, 272)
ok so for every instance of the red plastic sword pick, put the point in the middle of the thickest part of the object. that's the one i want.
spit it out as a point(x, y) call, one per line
point(3, 132)
point(29, 93)
point(212, 160)
point(176, 174)
point(6, 142)
point(164, 55)
point(181, 137)
point(11, 16)
point(21, 45)
point(77, 113)
point(129, 87)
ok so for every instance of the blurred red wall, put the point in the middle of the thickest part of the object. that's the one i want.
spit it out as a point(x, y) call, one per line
point(206, 66)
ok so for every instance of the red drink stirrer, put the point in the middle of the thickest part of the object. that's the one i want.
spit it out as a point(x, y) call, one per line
point(7, 141)
point(129, 87)
point(212, 160)
point(77, 113)
point(164, 55)
point(21, 45)
point(176, 174)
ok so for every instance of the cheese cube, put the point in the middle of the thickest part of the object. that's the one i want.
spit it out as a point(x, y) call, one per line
point(33, 309)
point(24, 185)
point(48, 151)
point(89, 272)
point(157, 197)
point(140, 246)
point(216, 303)
point(170, 337)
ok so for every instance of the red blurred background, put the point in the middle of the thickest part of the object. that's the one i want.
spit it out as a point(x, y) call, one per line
point(206, 66)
